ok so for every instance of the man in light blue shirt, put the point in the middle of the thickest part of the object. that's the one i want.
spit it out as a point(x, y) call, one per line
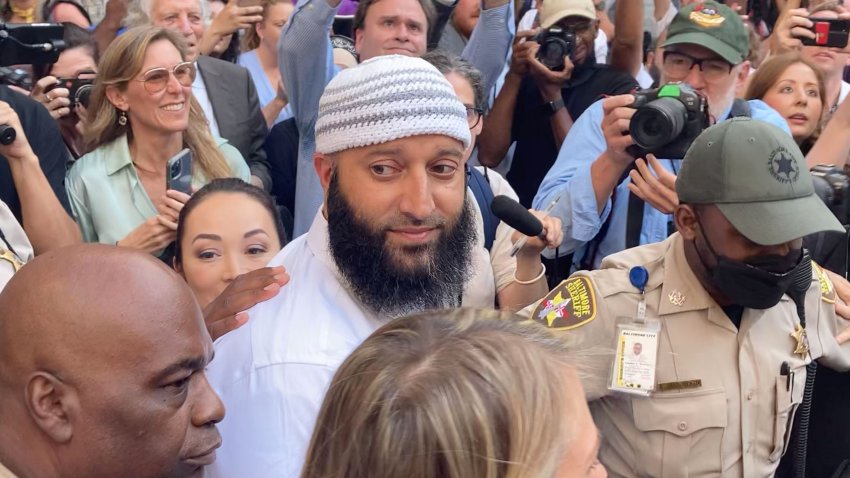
point(381, 27)
point(706, 48)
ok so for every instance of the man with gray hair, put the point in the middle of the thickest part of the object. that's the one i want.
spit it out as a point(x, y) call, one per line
point(397, 233)
point(225, 91)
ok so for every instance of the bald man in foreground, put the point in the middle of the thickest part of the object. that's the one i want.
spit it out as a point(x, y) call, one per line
point(102, 356)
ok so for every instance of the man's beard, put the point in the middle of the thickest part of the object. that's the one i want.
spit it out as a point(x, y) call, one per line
point(379, 277)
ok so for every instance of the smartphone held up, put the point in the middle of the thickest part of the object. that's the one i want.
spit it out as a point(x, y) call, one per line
point(179, 172)
point(828, 32)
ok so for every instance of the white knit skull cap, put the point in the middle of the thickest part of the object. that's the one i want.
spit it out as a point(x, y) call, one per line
point(387, 98)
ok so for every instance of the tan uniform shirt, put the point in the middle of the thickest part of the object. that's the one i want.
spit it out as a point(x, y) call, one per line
point(736, 421)
point(5, 473)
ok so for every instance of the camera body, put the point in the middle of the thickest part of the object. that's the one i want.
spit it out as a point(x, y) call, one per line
point(79, 89)
point(833, 187)
point(668, 119)
point(555, 44)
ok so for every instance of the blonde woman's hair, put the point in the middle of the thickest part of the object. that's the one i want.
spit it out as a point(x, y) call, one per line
point(452, 394)
point(251, 39)
point(122, 62)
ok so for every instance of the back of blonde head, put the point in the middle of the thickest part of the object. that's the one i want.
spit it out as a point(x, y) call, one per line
point(121, 63)
point(451, 394)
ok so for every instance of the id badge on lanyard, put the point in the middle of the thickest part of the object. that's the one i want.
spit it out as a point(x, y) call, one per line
point(636, 346)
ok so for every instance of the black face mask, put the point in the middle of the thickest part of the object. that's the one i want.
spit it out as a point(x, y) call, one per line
point(757, 284)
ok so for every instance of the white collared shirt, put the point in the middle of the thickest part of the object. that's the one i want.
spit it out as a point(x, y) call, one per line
point(272, 372)
point(199, 90)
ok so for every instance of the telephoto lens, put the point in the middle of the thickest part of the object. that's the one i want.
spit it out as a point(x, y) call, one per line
point(658, 123)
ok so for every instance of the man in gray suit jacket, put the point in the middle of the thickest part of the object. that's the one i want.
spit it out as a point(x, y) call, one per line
point(225, 91)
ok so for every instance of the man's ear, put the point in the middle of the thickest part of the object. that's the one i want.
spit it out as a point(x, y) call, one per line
point(325, 165)
point(117, 98)
point(51, 404)
point(686, 221)
point(358, 39)
point(743, 77)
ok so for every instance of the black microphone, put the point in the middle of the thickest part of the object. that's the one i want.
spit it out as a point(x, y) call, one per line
point(802, 281)
point(517, 216)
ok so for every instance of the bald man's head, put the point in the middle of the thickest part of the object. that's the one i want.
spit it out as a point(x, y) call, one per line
point(102, 356)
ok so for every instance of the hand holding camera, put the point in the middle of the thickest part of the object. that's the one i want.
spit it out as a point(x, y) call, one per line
point(53, 96)
point(549, 81)
point(61, 96)
point(617, 114)
point(521, 53)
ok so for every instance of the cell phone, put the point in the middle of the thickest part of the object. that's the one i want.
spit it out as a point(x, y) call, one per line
point(179, 172)
point(250, 3)
point(829, 32)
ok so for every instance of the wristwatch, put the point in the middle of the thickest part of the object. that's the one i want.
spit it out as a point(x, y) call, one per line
point(552, 107)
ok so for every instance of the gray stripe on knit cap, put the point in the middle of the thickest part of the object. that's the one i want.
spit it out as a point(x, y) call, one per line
point(326, 125)
point(391, 76)
point(412, 99)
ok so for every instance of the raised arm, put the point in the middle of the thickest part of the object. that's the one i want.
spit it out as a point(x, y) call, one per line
point(627, 46)
point(488, 45)
point(305, 58)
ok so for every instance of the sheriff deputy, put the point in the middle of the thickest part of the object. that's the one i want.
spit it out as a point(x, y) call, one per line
point(725, 350)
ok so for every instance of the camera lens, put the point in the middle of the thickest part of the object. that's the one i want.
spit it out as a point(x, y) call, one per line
point(552, 54)
point(658, 123)
point(175, 170)
point(83, 94)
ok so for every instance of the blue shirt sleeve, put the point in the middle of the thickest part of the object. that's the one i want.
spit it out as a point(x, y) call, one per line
point(570, 179)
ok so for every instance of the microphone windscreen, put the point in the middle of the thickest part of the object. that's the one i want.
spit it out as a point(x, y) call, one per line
point(516, 215)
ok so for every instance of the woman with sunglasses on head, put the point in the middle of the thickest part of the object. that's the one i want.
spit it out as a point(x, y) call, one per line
point(141, 114)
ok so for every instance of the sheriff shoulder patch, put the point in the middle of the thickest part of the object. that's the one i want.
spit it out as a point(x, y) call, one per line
point(568, 306)
point(827, 290)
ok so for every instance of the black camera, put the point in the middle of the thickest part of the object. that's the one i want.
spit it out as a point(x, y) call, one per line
point(79, 89)
point(555, 44)
point(833, 187)
point(668, 119)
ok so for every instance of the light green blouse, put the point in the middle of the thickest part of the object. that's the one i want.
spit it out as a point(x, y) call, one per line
point(108, 200)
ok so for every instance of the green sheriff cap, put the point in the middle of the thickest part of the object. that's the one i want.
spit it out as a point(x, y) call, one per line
point(711, 25)
point(756, 175)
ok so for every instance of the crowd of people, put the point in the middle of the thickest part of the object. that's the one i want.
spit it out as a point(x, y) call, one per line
point(426, 238)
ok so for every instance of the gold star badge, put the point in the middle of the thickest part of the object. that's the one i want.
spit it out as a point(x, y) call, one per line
point(802, 339)
point(11, 258)
point(676, 298)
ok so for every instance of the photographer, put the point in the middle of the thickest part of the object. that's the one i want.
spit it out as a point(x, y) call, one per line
point(64, 87)
point(553, 78)
point(705, 48)
point(31, 177)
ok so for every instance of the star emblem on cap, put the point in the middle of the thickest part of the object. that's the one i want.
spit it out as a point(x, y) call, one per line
point(783, 167)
